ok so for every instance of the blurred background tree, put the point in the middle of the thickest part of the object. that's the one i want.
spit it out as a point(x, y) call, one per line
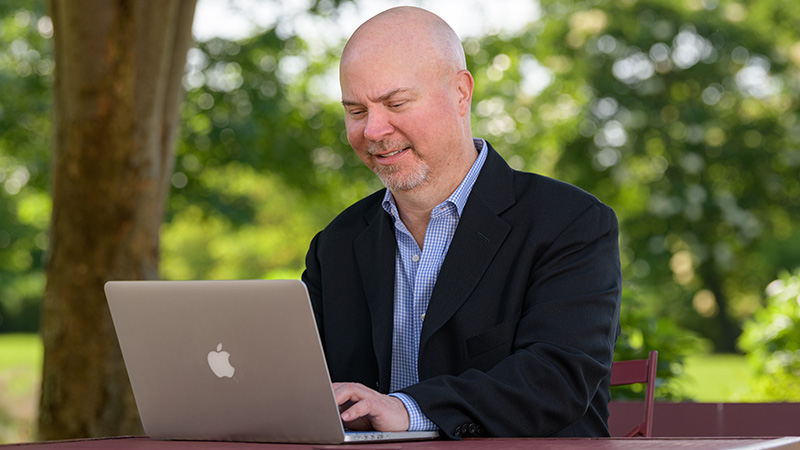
point(681, 115)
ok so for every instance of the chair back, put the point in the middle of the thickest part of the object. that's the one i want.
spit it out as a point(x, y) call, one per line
point(639, 371)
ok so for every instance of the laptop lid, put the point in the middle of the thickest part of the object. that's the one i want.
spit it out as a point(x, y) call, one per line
point(228, 360)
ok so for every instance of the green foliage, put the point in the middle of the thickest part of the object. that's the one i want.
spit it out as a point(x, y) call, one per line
point(263, 161)
point(680, 115)
point(269, 243)
point(644, 327)
point(26, 79)
point(772, 341)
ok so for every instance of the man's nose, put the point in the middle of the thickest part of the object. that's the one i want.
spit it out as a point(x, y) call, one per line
point(378, 125)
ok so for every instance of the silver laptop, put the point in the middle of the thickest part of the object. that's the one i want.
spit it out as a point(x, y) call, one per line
point(229, 360)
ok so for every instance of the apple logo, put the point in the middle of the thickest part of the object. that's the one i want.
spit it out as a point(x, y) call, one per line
point(218, 361)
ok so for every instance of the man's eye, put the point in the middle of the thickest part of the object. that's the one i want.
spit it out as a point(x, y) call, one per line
point(396, 104)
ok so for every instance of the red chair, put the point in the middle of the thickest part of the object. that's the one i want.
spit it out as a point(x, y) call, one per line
point(638, 371)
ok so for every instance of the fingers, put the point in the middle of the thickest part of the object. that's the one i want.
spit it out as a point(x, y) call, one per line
point(353, 400)
point(364, 408)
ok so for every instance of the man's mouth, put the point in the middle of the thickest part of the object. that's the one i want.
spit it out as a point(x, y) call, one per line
point(390, 154)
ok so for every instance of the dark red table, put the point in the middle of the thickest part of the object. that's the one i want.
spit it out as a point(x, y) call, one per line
point(143, 443)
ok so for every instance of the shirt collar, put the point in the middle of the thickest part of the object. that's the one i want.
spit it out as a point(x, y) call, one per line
point(460, 195)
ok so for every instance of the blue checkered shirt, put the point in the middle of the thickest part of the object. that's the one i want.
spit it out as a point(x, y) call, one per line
point(415, 275)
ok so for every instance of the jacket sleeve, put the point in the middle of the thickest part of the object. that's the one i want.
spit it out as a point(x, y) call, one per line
point(312, 277)
point(553, 381)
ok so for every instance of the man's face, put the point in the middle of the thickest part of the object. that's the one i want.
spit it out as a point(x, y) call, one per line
point(401, 115)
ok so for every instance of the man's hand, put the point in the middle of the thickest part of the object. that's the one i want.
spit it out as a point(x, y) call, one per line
point(365, 409)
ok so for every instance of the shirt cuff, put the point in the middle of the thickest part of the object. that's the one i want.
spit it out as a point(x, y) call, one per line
point(417, 420)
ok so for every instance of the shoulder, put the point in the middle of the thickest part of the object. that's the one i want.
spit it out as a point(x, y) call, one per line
point(549, 207)
point(551, 192)
point(503, 187)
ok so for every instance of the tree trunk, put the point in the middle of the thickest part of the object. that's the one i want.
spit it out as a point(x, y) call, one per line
point(728, 330)
point(119, 66)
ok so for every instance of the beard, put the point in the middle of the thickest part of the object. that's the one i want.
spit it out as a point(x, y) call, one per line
point(404, 176)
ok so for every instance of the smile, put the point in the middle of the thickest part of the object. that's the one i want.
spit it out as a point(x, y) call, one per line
point(388, 155)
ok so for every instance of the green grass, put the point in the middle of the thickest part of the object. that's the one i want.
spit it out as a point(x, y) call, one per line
point(20, 375)
point(717, 378)
point(19, 350)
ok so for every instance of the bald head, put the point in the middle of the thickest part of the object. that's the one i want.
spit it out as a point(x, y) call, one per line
point(407, 32)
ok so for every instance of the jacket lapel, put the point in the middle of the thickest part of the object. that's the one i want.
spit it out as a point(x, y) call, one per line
point(477, 239)
point(375, 251)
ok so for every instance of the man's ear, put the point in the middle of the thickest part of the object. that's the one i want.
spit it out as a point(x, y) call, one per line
point(465, 84)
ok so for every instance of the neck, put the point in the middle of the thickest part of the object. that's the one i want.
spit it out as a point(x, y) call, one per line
point(415, 205)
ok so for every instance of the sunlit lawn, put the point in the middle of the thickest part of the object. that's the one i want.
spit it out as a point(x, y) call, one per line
point(718, 378)
point(20, 368)
point(708, 378)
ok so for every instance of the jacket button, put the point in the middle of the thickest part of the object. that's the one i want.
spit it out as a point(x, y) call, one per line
point(473, 429)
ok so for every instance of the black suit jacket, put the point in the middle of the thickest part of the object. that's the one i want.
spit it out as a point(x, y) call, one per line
point(520, 331)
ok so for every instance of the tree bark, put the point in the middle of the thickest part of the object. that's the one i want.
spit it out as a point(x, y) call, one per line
point(119, 66)
point(728, 331)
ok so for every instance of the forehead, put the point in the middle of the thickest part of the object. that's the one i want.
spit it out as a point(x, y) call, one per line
point(378, 75)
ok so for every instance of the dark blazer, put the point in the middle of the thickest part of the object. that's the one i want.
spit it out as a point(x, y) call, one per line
point(520, 331)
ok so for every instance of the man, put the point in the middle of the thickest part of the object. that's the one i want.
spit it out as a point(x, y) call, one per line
point(483, 300)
